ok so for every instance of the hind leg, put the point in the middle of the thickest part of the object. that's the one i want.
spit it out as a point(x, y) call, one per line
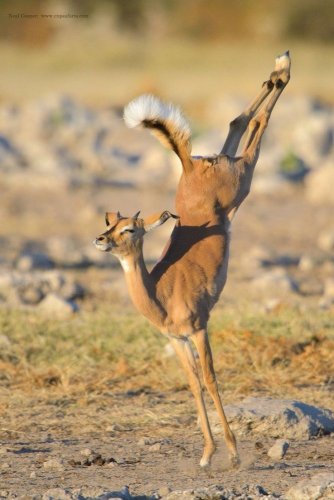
point(239, 126)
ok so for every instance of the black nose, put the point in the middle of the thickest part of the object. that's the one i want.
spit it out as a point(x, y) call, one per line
point(101, 238)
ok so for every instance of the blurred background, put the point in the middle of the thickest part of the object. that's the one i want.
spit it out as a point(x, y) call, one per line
point(107, 51)
point(68, 69)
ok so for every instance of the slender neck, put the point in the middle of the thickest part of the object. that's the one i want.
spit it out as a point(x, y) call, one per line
point(142, 288)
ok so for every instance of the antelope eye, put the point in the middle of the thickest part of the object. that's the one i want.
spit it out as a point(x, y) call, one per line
point(127, 230)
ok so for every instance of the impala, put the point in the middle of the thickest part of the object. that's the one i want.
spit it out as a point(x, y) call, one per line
point(180, 291)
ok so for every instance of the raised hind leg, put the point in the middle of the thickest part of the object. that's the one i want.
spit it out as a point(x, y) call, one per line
point(239, 125)
point(260, 121)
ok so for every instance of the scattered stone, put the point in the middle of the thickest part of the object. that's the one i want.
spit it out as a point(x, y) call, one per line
point(276, 280)
point(326, 303)
point(329, 288)
point(4, 344)
point(218, 492)
point(155, 447)
point(272, 305)
point(72, 291)
point(144, 441)
point(319, 184)
point(306, 263)
point(326, 240)
point(279, 449)
point(87, 452)
point(57, 494)
point(320, 486)
point(5, 466)
point(327, 300)
point(276, 418)
point(30, 293)
point(31, 261)
point(114, 428)
point(164, 491)
point(255, 258)
point(54, 464)
point(91, 458)
point(57, 307)
point(33, 475)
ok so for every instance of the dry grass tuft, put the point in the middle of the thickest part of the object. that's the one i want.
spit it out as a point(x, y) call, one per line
point(103, 350)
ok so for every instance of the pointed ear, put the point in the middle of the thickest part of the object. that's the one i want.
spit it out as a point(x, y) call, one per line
point(156, 220)
point(112, 218)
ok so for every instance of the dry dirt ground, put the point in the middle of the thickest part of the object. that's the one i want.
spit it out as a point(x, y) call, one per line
point(149, 440)
point(154, 447)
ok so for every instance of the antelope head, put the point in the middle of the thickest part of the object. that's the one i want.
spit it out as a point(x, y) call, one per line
point(124, 235)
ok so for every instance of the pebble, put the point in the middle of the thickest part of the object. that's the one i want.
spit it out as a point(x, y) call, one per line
point(87, 452)
point(56, 306)
point(319, 185)
point(57, 494)
point(329, 288)
point(29, 262)
point(114, 428)
point(277, 280)
point(30, 293)
point(164, 490)
point(326, 240)
point(320, 486)
point(145, 441)
point(279, 449)
point(306, 263)
point(155, 447)
point(54, 464)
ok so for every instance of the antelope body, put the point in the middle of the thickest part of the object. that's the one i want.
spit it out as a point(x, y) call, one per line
point(180, 291)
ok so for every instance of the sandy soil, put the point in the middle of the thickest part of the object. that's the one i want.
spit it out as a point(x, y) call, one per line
point(152, 447)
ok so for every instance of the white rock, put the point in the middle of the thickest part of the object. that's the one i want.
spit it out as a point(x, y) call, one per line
point(276, 280)
point(155, 447)
point(279, 449)
point(329, 288)
point(57, 494)
point(57, 307)
point(54, 280)
point(320, 486)
point(319, 185)
point(306, 263)
point(30, 293)
point(54, 464)
point(4, 343)
point(87, 452)
point(276, 418)
point(325, 240)
point(37, 260)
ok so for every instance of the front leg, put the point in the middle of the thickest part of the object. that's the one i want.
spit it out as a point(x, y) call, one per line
point(185, 353)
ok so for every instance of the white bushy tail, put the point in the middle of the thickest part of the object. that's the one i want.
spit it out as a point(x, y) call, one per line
point(165, 121)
